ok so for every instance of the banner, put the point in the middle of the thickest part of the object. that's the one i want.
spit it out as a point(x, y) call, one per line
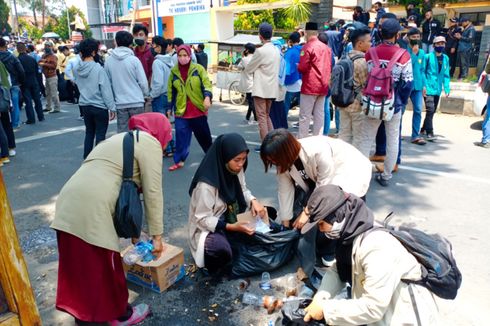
point(182, 7)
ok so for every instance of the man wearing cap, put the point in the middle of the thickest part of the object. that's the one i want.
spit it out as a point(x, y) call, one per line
point(265, 68)
point(49, 63)
point(436, 78)
point(466, 42)
point(430, 29)
point(403, 83)
point(373, 262)
point(315, 65)
point(452, 43)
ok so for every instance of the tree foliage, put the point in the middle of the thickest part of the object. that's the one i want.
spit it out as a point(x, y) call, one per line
point(4, 16)
point(33, 31)
point(297, 13)
point(61, 27)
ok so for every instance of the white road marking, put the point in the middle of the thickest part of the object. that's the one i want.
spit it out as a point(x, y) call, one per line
point(458, 176)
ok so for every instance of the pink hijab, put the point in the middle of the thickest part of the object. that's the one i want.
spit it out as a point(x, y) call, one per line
point(154, 123)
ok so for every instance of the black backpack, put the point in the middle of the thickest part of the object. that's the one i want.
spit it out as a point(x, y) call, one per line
point(342, 81)
point(440, 274)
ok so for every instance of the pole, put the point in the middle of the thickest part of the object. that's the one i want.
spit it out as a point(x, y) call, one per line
point(133, 20)
point(68, 20)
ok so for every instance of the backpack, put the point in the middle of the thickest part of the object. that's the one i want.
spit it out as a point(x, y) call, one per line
point(378, 97)
point(342, 89)
point(440, 274)
point(4, 89)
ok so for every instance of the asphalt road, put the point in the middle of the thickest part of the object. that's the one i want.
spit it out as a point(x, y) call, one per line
point(441, 187)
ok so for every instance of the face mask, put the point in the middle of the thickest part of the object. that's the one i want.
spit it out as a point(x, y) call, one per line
point(414, 42)
point(438, 49)
point(153, 52)
point(334, 233)
point(184, 60)
point(139, 41)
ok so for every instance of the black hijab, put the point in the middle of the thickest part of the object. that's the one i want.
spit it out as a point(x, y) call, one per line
point(214, 172)
point(358, 219)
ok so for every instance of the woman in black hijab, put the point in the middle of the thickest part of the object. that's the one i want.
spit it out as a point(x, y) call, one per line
point(372, 262)
point(218, 193)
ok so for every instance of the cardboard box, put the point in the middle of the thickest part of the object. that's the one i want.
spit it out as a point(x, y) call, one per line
point(157, 275)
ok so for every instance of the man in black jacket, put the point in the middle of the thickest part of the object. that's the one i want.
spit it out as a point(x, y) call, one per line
point(430, 29)
point(16, 72)
point(30, 88)
point(360, 15)
point(452, 43)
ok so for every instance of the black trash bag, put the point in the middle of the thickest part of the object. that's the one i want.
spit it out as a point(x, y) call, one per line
point(253, 255)
point(293, 313)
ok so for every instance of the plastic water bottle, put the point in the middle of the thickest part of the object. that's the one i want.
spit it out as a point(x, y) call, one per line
point(265, 284)
point(252, 299)
point(141, 251)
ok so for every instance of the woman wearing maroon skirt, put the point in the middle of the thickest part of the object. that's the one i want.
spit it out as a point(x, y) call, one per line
point(91, 282)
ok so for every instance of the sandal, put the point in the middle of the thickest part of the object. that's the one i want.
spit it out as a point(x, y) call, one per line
point(176, 166)
point(419, 141)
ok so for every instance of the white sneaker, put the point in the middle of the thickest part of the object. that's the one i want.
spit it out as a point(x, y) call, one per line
point(12, 152)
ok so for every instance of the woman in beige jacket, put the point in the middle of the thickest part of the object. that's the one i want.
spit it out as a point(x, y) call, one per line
point(218, 193)
point(372, 262)
point(91, 282)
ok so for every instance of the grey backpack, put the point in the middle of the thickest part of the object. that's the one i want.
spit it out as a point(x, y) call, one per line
point(342, 88)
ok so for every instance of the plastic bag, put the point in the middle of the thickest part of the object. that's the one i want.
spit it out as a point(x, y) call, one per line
point(293, 313)
point(260, 252)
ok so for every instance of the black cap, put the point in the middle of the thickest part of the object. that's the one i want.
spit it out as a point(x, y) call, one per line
point(464, 19)
point(311, 26)
point(265, 30)
point(324, 201)
point(390, 26)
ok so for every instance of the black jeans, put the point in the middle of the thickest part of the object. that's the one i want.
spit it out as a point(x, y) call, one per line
point(72, 90)
point(251, 107)
point(30, 93)
point(4, 148)
point(9, 131)
point(431, 103)
point(96, 122)
point(40, 84)
point(453, 62)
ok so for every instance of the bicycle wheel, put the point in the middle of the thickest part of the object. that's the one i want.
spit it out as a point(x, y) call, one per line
point(236, 97)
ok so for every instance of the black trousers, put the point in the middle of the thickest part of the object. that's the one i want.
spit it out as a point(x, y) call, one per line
point(73, 92)
point(31, 93)
point(251, 107)
point(431, 103)
point(4, 148)
point(464, 63)
point(453, 62)
point(96, 122)
point(42, 89)
point(9, 131)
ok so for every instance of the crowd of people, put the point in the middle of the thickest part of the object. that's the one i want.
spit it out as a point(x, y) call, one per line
point(389, 64)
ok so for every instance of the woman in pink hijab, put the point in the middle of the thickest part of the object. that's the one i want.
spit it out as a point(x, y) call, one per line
point(190, 91)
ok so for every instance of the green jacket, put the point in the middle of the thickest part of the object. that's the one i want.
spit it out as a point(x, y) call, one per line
point(196, 88)
point(434, 78)
point(4, 76)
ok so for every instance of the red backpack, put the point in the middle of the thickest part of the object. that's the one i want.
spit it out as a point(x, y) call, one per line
point(378, 97)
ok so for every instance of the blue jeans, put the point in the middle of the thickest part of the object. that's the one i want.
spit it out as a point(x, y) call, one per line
point(289, 99)
point(486, 124)
point(326, 124)
point(337, 119)
point(160, 104)
point(15, 92)
point(417, 102)
point(183, 136)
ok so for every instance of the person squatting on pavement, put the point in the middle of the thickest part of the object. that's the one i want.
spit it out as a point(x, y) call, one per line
point(373, 262)
point(128, 80)
point(315, 67)
point(218, 193)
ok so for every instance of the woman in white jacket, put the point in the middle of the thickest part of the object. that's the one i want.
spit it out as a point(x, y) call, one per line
point(372, 262)
point(218, 193)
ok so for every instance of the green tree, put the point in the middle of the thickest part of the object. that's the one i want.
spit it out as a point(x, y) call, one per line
point(4, 16)
point(298, 12)
point(61, 27)
point(34, 32)
point(34, 5)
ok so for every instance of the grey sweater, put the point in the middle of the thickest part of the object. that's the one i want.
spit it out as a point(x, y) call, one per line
point(95, 88)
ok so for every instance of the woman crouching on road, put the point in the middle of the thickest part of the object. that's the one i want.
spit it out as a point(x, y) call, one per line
point(218, 193)
point(91, 282)
point(372, 262)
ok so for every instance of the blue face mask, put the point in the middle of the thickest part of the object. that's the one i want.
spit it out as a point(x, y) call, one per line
point(438, 49)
